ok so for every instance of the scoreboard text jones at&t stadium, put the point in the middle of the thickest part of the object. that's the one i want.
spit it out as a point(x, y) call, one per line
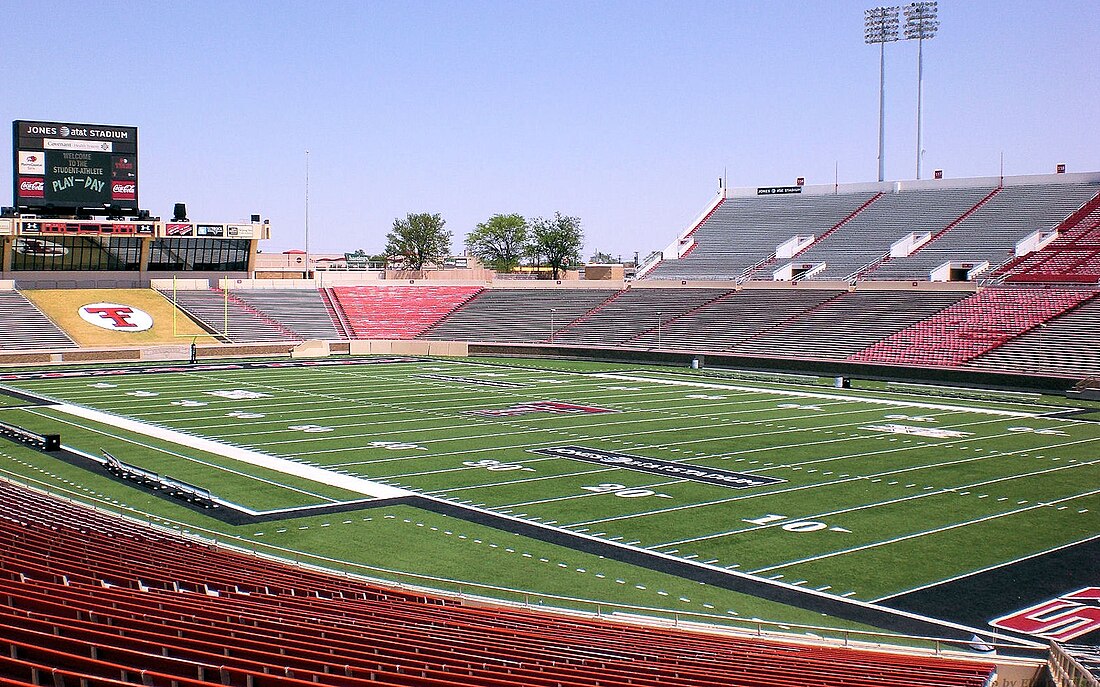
point(75, 165)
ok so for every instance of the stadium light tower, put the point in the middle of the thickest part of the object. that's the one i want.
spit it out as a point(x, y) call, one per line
point(921, 23)
point(880, 25)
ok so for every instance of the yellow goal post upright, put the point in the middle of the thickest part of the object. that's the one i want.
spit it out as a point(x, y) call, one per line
point(176, 310)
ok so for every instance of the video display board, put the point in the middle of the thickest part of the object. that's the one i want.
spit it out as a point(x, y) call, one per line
point(67, 166)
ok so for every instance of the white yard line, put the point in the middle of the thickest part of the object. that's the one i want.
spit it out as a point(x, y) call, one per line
point(814, 485)
point(987, 568)
point(315, 474)
point(889, 502)
point(915, 535)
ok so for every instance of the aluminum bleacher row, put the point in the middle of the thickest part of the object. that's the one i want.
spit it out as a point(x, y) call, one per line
point(854, 232)
point(23, 326)
point(91, 599)
point(991, 232)
point(518, 314)
point(1072, 257)
point(1063, 345)
point(867, 238)
point(974, 326)
point(741, 233)
point(877, 323)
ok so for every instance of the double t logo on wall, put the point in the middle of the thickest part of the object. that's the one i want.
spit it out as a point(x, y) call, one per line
point(116, 317)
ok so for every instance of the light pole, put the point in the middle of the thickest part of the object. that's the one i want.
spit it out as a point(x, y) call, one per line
point(921, 23)
point(880, 26)
point(307, 215)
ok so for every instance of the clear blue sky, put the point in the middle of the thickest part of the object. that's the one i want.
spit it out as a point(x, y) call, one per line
point(622, 113)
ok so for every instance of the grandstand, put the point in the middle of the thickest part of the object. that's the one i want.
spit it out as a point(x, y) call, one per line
point(1073, 256)
point(743, 234)
point(518, 314)
point(23, 326)
point(990, 235)
point(983, 282)
point(888, 231)
point(868, 238)
point(117, 599)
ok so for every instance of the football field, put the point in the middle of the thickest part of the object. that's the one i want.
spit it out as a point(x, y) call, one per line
point(612, 479)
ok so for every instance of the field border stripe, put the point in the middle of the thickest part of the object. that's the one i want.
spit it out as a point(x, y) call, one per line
point(315, 474)
point(733, 580)
point(811, 394)
point(986, 569)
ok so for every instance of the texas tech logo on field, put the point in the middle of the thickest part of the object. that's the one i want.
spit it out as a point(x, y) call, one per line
point(116, 317)
point(538, 407)
point(1063, 619)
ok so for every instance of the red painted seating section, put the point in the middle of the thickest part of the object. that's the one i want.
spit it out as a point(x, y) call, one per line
point(1072, 257)
point(87, 595)
point(399, 312)
point(973, 326)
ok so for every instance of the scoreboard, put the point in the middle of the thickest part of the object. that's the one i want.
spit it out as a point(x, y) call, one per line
point(68, 166)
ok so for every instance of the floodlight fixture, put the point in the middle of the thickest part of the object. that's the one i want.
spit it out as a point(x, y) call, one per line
point(880, 26)
point(921, 23)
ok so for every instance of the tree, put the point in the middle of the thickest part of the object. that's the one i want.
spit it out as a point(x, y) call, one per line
point(602, 258)
point(499, 242)
point(556, 242)
point(420, 239)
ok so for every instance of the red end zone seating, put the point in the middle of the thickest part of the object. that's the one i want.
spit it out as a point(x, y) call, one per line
point(398, 312)
point(1072, 257)
point(92, 599)
point(973, 326)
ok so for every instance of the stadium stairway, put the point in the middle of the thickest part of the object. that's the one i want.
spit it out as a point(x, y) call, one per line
point(973, 326)
point(336, 312)
point(93, 599)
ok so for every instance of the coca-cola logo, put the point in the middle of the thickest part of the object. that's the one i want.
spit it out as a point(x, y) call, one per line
point(123, 190)
point(32, 188)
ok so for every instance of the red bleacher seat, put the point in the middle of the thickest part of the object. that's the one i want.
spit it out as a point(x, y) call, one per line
point(96, 600)
point(1069, 258)
point(398, 312)
point(973, 326)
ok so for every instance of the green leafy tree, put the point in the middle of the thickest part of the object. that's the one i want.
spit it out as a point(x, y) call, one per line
point(499, 242)
point(556, 242)
point(420, 239)
point(601, 258)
